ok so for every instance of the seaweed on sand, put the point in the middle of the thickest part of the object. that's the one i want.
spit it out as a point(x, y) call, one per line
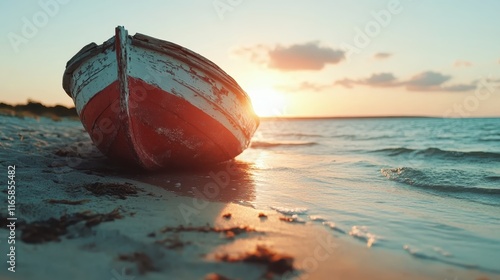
point(52, 229)
point(113, 189)
point(275, 263)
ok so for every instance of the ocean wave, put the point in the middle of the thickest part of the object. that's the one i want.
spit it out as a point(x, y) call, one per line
point(375, 137)
point(362, 233)
point(360, 137)
point(443, 257)
point(290, 211)
point(451, 181)
point(301, 135)
point(264, 145)
point(333, 226)
point(490, 138)
point(317, 218)
point(436, 152)
point(492, 178)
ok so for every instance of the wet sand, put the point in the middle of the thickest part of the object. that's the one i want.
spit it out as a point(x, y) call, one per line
point(80, 216)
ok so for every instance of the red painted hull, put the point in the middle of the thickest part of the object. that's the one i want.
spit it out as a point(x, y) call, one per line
point(154, 104)
point(166, 130)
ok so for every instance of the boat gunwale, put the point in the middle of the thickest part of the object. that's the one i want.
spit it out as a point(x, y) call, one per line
point(164, 47)
point(192, 59)
point(200, 62)
point(197, 60)
point(221, 83)
point(86, 53)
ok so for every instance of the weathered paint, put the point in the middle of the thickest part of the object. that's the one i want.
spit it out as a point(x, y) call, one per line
point(154, 107)
point(151, 68)
point(92, 77)
point(169, 129)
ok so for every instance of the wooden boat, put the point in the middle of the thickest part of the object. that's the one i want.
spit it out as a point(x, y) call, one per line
point(154, 104)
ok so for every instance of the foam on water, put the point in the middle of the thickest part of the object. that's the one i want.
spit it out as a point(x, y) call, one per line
point(450, 180)
point(429, 187)
point(262, 145)
point(362, 233)
point(333, 226)
point(436, 153)
point(431, 182)
point(290, 211)
point(317, 218)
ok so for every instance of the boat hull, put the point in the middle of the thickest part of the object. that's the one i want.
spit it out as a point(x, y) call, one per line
point(154, 104)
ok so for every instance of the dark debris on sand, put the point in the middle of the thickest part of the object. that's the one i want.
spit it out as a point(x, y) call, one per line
point(231, 230)
point(4, 222)
point(262, 216)
point(68, 152)
point(51, 229)
point(293, 219)
point(68, 202)
point(276, 263)
point(120, 190)
point(215, 276)
point(172, 243)
point(143, 261)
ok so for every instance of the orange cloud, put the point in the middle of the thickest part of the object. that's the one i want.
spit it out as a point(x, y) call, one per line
point(382, 55)
point(307, 56)
point(424, 81)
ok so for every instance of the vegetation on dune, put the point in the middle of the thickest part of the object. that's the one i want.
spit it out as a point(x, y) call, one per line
point(35, 109)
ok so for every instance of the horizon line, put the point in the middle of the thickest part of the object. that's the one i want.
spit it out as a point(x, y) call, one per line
point(370, 117)
point(303, 117)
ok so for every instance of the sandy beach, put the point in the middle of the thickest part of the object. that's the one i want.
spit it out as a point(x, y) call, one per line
point(271, 140)
point(80, 216)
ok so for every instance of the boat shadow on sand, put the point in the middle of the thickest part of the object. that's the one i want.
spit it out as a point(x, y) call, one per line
point(230, 181)
point(93, 190)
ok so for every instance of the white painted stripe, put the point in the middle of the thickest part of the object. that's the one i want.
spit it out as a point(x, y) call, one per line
point(170, 75)
point(178, 78)
point(93, 76)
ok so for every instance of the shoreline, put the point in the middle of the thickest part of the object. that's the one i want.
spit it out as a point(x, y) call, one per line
point(152, 227)
point(80, 217)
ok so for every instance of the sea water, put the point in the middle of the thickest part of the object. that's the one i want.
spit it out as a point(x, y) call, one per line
point(425, 187)
point(420, 186)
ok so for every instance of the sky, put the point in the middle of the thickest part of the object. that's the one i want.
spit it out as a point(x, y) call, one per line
point(294, 58)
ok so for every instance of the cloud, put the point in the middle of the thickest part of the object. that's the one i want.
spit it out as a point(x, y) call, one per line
point(256, 54)
point(382, 55)
point(427, 81)
point(492, 80)
point(307, 56)
point(458, 88)
point(462, 63)
point(348, 83)
point(382, 79)
point(375, 80)
point(492, 83)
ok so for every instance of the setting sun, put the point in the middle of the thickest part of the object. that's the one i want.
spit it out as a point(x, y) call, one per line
point(267, 102)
